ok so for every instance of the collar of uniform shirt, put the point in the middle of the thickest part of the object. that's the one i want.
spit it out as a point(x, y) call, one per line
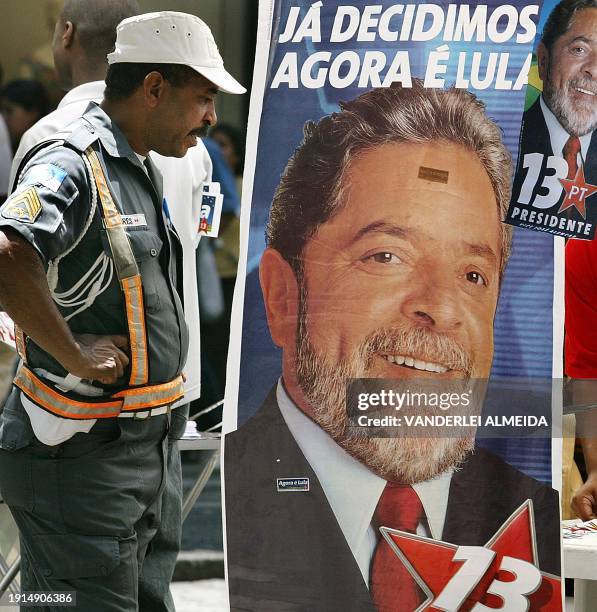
point(142, 159)
point(113, 140)
point(558, 135)
point(352, 489)
point(116, 144)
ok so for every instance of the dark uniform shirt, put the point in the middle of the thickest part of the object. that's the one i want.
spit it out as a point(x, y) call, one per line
point(60, 179)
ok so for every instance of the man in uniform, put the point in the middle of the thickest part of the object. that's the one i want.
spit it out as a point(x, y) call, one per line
point(90, 272)
point(84, 34)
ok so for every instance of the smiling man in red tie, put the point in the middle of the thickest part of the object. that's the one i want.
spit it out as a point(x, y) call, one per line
point(570, 90)
point(384, 259)
point(556, 176)
point(568, 67)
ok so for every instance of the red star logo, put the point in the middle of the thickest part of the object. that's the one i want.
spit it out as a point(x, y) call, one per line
point(577, 192)
point(458, 577)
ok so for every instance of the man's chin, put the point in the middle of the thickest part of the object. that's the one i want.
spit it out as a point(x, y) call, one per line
point(575, 114)
point(409, 460)
point(581, 118)
point(184, 147)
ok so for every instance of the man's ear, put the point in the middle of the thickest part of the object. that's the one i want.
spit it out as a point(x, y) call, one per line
point(154, 87)
point(542, 61)
point(67, 38)
point(280, 295)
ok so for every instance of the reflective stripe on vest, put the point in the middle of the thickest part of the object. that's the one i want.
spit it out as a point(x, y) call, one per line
point(20, 343)
point(129, 400)
point(151, 396)
point(133, 297)
point(127, 270)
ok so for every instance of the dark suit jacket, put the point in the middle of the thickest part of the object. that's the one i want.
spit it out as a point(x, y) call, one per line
point(286, 551)
point(534, 138)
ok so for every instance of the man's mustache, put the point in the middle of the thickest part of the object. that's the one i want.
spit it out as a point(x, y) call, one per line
point(583, 83)
point(419, 343)
point(200, 132)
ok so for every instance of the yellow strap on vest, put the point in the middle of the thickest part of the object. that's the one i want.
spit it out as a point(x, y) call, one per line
point(129, 400)
point(133, 297)
point(20, 343)
point(127, 270)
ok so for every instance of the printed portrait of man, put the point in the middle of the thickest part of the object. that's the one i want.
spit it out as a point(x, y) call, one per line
point(385, 253)
point(558, 128)
point(571, 85)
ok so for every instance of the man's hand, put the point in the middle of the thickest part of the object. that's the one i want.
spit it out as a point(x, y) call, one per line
point(584, 501)
point(27, 300)
point(101, 358)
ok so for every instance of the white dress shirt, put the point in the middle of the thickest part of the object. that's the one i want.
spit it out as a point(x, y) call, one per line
point(352, 490)
point(558, 135)
point(183, 180)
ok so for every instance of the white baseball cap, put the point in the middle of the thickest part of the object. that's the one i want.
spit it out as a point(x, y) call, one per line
point(169, 37)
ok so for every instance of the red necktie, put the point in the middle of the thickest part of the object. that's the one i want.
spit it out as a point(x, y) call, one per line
point(393, 589)
point(570, 151)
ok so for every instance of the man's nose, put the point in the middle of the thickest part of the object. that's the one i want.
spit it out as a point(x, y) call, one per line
point(210, 115)
point(589, 67)
point(433, 303)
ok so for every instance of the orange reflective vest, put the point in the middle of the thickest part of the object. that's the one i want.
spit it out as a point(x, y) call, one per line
point(139, 396)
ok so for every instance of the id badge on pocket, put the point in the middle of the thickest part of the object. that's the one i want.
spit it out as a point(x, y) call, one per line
point(211, 210)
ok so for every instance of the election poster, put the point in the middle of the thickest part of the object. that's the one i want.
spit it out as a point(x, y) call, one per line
point(556, 174)
point(389, 431)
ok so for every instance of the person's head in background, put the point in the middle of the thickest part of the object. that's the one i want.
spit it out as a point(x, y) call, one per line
point(231, 141)
point(24, 102)
point(84, 35)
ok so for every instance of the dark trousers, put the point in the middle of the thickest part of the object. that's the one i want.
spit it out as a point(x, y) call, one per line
point(160, 561)
point(99, 514)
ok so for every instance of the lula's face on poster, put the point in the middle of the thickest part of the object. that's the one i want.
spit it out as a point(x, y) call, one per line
point(568, 73)
point(406, 253)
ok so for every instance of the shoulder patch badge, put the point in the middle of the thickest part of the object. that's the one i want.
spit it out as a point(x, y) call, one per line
point(24, 206)
point(46, 175)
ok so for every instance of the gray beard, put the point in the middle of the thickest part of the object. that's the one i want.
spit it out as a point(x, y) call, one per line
point(574, 122)
point(406, 460)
